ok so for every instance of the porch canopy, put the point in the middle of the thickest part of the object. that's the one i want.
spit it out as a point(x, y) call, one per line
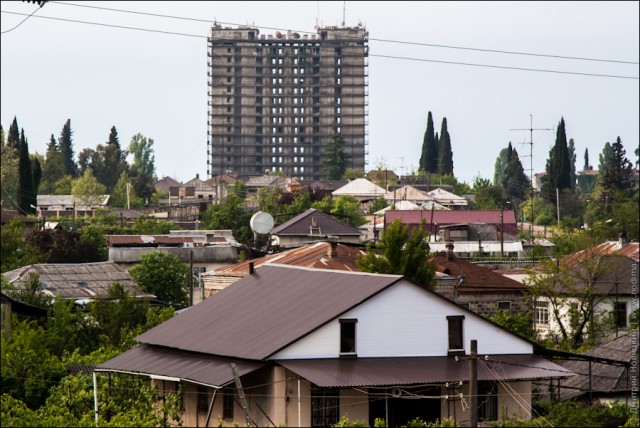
point(171, 364)
point(361, 372)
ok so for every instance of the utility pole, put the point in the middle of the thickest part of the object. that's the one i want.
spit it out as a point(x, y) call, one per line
point(531, 129)
point(190, 277)
point(501, 231)
point(473, 384)
point(558, 204)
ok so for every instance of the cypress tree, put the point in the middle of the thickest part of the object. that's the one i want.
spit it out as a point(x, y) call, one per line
point(114, 161)
point(53, 168)
point(586, 160)
point(25, 192)
point(500, 167)
point(445, 154)
point(617, 174)
point(557, 169)
point(429, 158)
point(13, 139)
point(36, 175)
point(516, 183)
point(66, 150)
point(572, 164)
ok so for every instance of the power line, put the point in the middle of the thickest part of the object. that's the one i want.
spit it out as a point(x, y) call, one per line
point(22, 22)
point(371, 55)
point(372, 39)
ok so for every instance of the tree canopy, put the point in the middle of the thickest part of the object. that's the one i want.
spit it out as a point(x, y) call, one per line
point(165, 276)
point(336, 159)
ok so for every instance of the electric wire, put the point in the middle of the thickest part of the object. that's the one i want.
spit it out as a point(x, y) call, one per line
point(370, 38)
point(22, 22)
point(468, 64)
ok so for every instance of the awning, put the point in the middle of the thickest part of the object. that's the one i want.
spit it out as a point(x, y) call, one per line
point(362, 372)
point(166, 363)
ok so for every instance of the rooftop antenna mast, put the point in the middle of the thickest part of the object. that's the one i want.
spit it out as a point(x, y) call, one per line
point(318, 15)
point(344, 12)
point(531, 129)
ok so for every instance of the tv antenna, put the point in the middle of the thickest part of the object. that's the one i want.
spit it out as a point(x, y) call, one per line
point(530, 155)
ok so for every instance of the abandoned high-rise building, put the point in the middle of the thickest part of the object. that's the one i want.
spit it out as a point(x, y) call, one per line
point(276, 101)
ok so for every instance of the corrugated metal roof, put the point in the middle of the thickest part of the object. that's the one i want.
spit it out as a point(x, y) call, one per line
point(264, 312)
point(152, 360)
point(450, 217)
point(605, 377)
point(476, 278)
point(326, 225)
point(336, 372)
point(360, 187)
point(627, 249)
point(312, 255)
point(407, 193)
point(74, 280)
point(113, 240)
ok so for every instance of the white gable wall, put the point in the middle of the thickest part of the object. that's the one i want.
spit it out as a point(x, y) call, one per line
point(405, 321)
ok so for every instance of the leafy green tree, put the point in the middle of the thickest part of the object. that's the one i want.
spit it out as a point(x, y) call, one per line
point(64, 246)
point(118, 197)
point(480, 183)
point(618, 169)
point(336, 158)
point(15, 251)
point(152, 226)
point(402, 253)
point(558, 165)
point(490, 198)
point(114, 160)
point(53, 167)
point(378, 204)
point(63, 186)
point(229, 215)
point(87, 190)
point(429, 157)
point(345, 208)
point(143, 169)
point(164, 275)
point(500, 167)
point(445, 154)
point(520, 324)
point(538, 207)
point(26, 193)
point(65, 144)
point(352, 174)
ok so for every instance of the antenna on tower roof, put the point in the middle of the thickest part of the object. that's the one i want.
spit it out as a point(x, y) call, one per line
point(344, 11)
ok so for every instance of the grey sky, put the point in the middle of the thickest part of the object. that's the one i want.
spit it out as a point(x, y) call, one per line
point(156, 83)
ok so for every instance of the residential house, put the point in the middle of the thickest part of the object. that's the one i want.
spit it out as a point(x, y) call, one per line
point(599, 379)
point(165, 184)
point(487, 223)
point(205, 249)
point(10, 305)
point(28, 223)
point(311, 226)
point(407, 193)
point(70, 206)
point(304, 347)
point(203, 190)
point(221, 183)
point(319, 255)
point(80, 282)
point(447, 199)
point(598, 281)
point(477, 288)
point(286, 184)
point(361, 189)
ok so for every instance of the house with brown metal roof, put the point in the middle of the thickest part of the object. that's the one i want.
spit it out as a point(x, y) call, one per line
point(304, 347)
point(478, 288)
point(319, 255)
point(312, 226)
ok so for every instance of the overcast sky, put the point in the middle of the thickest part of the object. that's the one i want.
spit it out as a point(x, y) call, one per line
point(155, 83)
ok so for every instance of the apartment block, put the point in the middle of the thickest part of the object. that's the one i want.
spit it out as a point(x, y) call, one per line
point(277, 100)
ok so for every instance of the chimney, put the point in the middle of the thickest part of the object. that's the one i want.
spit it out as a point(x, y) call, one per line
point(332, 251)
point(251, 269)
point(198, 176)
point(449, 250)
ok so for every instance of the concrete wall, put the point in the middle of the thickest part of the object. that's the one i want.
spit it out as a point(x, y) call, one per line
point(221, 253)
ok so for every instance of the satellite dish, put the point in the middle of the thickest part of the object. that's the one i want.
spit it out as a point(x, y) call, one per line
point(261, 223)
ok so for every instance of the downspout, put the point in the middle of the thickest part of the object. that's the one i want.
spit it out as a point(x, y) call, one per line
point(299, 405)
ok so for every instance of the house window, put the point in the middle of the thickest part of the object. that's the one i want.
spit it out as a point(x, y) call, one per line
point(227, 404)
point(542, 312)
point(504, 306)
point(348, 337)
point(488, 401)
point(325, 403)
point(203, 399)
point(455, 334)
point(621, 314)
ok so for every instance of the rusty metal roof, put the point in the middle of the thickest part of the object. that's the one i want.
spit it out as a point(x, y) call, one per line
point(336, 372)
point(626, 249)
point(262, 313)
point(313, 255)
point(203, 369)
point(476, 278)
point(327, 225)
point(441, 217)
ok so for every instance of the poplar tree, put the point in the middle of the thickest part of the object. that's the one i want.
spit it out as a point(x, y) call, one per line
point(572, 164)
point(66, 150)
point(114, 161)
point(429, 158)
point(445, 154)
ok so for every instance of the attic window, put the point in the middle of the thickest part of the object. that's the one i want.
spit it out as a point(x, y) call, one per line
point(348, 337)
point(504, 306)
point(456, 346)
